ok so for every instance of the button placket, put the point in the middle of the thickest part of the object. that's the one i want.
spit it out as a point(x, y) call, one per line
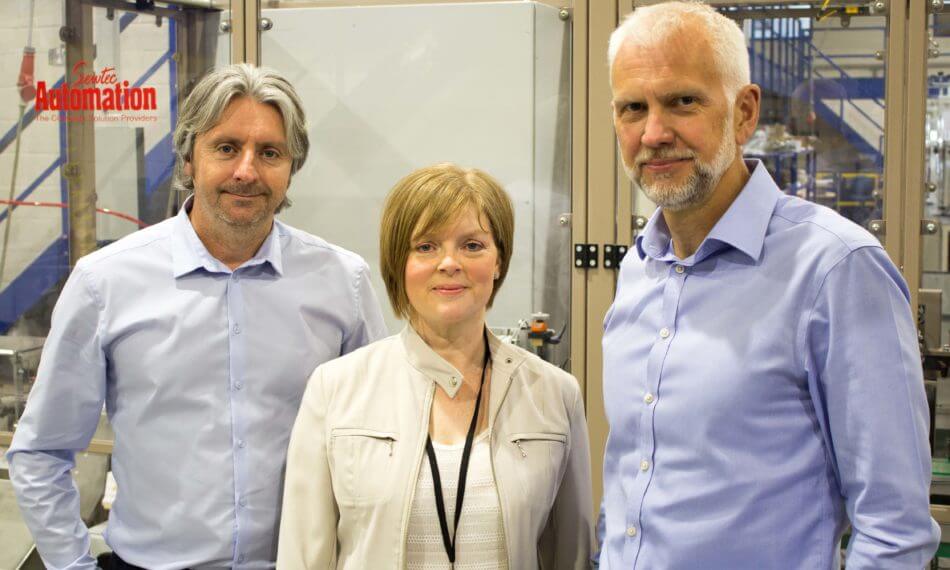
point(237, 376)
point(672, 292)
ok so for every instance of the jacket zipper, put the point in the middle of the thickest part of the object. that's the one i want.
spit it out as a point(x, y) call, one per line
point(491, 462)
point(407, 507)
point(386, 438)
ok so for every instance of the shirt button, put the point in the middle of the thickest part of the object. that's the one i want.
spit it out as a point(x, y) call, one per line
point(238, 385)
point(453, 381)
point(680, 269)
point(240, 443)
point(237, 329)
point(631, 531)
point(664, 332)
point(242, 558)
point(235, 276)
point(648, 398)
point(242, 501)
point(644, 465)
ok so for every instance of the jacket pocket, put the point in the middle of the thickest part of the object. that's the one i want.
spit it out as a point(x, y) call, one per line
point(539, 460)
point(363, 461)
point(519, 438)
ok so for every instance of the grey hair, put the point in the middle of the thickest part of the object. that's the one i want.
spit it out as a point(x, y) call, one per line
point(204, 106)
point(652, 25)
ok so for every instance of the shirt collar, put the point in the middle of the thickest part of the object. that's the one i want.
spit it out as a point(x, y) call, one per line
point(655, 238)
point(189, 253)
point(743, 225)
point(504, 357)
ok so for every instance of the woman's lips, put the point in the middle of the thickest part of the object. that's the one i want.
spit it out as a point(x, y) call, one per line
point(449, 290)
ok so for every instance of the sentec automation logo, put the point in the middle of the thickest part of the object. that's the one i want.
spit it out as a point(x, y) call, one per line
point(89, 90)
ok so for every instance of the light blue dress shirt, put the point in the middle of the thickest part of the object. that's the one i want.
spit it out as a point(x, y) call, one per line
point(761, 394)
point(202, 370)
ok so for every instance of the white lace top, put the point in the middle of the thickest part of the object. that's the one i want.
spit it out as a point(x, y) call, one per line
point(481, 537)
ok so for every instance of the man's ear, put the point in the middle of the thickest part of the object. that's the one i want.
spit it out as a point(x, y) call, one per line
point(746, 112)
point(187, 169)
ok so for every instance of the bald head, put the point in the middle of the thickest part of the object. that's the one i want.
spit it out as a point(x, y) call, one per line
point(692, 26)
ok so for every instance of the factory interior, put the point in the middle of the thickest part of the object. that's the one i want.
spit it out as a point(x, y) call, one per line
point(855, 116)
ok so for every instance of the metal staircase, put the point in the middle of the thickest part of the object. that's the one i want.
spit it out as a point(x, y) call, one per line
point(783, 57)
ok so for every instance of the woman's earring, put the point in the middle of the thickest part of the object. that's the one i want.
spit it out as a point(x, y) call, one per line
point(497, 275)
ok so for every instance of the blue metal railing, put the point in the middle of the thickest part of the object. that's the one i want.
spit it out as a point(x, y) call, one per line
point(30, 285)
point(780, 70)
point(841, 72)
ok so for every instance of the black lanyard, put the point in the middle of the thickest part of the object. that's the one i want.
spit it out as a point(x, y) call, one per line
point(448, 542)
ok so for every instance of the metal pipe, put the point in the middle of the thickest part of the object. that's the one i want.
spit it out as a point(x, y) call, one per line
point(172, 9)
point(209, 4)
point(782, 46)
point(26, 91)
point(16, 163)
point(757, 46)
point(786, 67)
point(29, 28)
point(780, 4)
point(753, 74)
point(772, 85)
point(80, 167)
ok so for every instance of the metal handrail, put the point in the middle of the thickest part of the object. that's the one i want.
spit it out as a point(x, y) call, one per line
point(844, 74)
point(860, 111)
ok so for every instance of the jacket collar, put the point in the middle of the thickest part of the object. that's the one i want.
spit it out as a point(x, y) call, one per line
point(505, 358)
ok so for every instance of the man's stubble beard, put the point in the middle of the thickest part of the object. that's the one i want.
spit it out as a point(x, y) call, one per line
point(698, 186)
point(263, 216)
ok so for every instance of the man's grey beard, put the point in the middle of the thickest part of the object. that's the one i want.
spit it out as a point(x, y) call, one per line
point(698, 187)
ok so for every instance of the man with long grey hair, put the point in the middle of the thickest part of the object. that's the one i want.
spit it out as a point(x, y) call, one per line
point(762, 379)
point(198, 334)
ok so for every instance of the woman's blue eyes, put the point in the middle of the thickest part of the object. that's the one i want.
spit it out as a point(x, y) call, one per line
point(471, 246)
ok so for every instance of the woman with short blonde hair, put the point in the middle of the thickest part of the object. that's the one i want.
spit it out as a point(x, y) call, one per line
point(427, 198)
point(440, 447)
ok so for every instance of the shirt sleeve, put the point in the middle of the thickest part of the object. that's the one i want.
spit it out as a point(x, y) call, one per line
point(572, 513)
point(60, 418)
point(370, 325)
point(308, 522)
point(865, 376)
point(600, 530)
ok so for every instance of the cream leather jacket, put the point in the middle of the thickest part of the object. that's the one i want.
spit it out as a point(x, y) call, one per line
point(359, 441)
